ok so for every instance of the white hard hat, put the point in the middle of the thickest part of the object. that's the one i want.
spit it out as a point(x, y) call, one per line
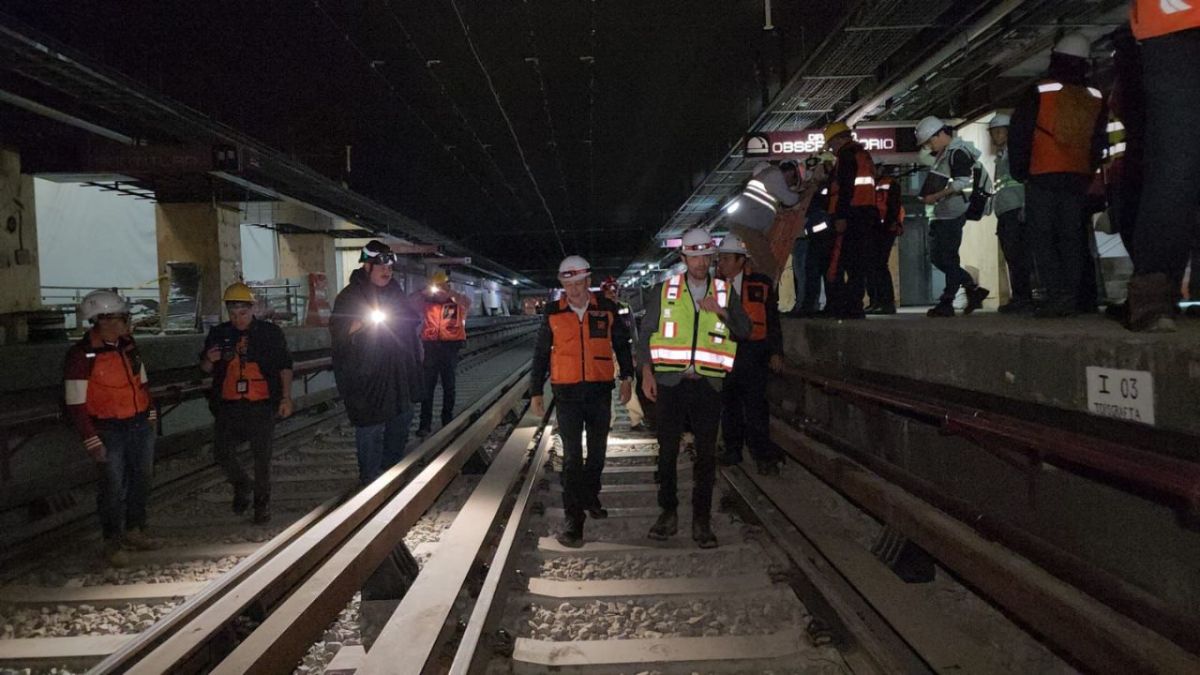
point(696, 242)
point(928, 128)
point(101, 302)
point(759, 168)
point(1074, 44)
point(573, 266)
point(999, 120)
point(732, 244)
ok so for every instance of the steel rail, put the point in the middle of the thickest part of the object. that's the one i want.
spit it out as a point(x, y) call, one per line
point(189, 647)
point(286, 635)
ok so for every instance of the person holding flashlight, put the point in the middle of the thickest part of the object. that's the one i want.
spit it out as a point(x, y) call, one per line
point(251, 386)
point(376, 360)
point(576, 343)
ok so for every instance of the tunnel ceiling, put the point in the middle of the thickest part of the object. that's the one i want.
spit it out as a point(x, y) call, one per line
point(523, 129)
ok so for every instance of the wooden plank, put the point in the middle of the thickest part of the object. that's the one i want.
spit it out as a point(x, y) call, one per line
point(673, 651)
point(186, 553)
point(411, 634)
point(1095, 634)
point(614, 588)
point(556, 513)
point(347, 660)
point(100, 596)
point(28, 652)
point(635, 488)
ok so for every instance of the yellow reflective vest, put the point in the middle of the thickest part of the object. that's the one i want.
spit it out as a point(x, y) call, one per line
point(686, 337)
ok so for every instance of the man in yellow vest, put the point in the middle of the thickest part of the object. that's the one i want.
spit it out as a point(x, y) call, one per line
point(686, 348)
point(1169, 32)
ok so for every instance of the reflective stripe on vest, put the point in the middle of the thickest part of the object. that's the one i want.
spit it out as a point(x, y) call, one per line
point(686, 337)
point(864, 181)
point(1116, 140)
point(443, 322)
point(1062, 138)
point(757, 191)
point(580, 350)
point(1154, 18)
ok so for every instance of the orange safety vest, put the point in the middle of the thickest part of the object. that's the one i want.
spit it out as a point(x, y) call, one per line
point(581, 350)
point(864, 180)
point(115, 390)
point(244, 380)
point(443, 321)
point(1154, 18)
point(1062, 140)
point(754, 300)
point(883, 196)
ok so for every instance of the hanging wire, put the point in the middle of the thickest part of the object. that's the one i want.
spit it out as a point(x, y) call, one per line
point(470, 128)
point(508, 122)
point(537, 68)
point(408, 106)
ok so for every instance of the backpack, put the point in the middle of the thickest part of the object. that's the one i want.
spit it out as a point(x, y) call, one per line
point(979, 199)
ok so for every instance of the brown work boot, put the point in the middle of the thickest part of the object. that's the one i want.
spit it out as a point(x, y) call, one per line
point(136, 540)
point(1151, 304)
point(114, 555)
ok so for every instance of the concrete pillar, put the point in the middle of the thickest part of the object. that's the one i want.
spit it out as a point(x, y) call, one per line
point(205, 235)
point(20, 280)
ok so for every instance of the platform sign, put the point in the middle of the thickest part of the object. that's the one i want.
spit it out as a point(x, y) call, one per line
point(804, 142)
point(1122, 394)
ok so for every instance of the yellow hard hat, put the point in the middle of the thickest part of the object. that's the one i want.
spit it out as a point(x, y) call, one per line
point(238, 292)
point(835, 129)
point(439, 277)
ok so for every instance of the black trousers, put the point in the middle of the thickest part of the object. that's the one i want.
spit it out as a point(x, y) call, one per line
point(745, 416)
point(441, 361)
point(880, 289)
point(580, 477)
point(696, 405)
point(240, 422)
point(1054, 218)
point(945, 239)
point(816, 264)
point(844, 295)
point(1010, 230)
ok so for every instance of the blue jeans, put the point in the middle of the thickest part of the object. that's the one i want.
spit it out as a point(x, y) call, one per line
point(380, 446)
point(124, 477)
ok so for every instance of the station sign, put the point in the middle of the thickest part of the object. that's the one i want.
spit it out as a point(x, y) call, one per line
point(769, 145)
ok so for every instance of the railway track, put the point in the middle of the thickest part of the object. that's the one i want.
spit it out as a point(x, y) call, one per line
point(65, 613)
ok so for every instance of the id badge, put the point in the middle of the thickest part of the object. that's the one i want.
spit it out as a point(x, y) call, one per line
point(243, 386)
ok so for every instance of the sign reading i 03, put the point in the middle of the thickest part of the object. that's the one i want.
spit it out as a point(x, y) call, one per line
point(795, 144)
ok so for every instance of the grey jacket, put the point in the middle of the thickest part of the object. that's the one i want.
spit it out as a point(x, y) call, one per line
point(737, 320)
point(955, 163)
point(1010, 192)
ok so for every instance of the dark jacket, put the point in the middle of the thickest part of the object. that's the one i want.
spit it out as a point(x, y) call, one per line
point(378, 368)
point(265, 345)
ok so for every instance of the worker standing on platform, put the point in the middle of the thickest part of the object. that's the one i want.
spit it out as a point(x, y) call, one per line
point(815, 247)
point(576, 345)
point(442, 336)
point(945, 190)
point(855, 219)
point(376, 360)
point(686, 349)
point(1009, 206)
point(251, 385)
point(745, 417)
point(1056, 140)
point(753, 213)
point(610, 289)
point(1170, 37)
point(109, 404)
point(889, 204)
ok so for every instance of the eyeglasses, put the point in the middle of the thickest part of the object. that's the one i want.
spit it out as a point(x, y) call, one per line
point(382, 258)
point(571, 274)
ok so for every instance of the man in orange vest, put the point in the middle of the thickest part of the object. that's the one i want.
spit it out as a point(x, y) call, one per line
point(251, 385)
point(109, 405)
point(576, 343)
point(442, 335)
point(855, 216)
point(1056, 140)
point(1169, 31)
point(745, 415)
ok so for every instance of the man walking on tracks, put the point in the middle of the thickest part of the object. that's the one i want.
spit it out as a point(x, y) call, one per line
point(576, 343)
point(688, 346)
